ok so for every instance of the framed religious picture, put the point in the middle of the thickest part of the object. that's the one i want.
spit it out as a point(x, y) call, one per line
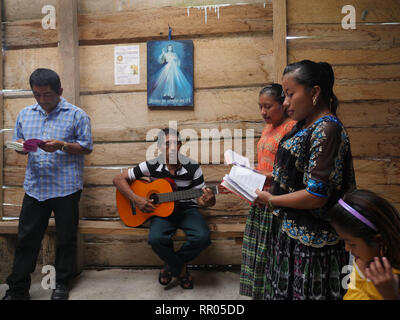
point(170, 73)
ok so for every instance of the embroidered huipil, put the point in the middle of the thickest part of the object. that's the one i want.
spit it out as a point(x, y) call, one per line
point(268, 144)
point(317, 159)
point(54, 174)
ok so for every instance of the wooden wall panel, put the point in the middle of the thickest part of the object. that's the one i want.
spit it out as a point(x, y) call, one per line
point(104, 254)
point(97, 64)
point(366, 62)
point(1, 115)
point(385, 171)
point(366, 142)
point(99, 202)
point(126, 117)
point(316, 11)
point(112, 154)
point(370, 113)
point(113, 27)
point(14, 176)
point(340, 56)
point(234, 58)
point(364, 36)
point(23, 10)
point(367, 44)
point(98, 199)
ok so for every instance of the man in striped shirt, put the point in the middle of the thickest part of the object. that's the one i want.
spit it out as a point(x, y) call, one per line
point(186, 216)
point(53, 182)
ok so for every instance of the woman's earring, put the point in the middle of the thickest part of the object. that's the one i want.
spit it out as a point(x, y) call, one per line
point(314, 101)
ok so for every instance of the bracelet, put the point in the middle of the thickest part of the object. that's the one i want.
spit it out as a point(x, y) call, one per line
point(270, 205)
point(64, 147)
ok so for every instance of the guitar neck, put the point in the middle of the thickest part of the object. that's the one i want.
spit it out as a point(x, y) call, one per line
point(182, 195)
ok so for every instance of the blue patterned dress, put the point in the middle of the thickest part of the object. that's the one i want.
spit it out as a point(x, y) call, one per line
point(305, 255)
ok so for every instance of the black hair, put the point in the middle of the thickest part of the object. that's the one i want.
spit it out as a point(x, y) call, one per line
point(274, 90)
point(310, 74)
point(45, 77)
point(379, 212)
point(165, 132)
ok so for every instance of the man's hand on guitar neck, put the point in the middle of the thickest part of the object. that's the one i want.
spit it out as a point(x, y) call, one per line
point(144, 204)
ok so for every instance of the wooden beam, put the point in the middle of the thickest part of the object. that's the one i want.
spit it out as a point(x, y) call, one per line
point(134, 26)
point(68, 37)
point(1, 117)
point(317, 11)
point(279, 38)
point(253, 50)
point(219, 230)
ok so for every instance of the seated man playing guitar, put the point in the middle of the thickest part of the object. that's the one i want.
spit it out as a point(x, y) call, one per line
point(186, 215)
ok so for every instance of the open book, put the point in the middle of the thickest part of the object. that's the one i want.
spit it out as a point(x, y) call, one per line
point(29, 145)
point(243, 180)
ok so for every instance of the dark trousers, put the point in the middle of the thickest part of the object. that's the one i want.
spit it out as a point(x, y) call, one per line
point(33, 222)
point(197, 233)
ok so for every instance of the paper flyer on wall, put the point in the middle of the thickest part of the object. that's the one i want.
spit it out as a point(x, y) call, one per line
point(126, 65)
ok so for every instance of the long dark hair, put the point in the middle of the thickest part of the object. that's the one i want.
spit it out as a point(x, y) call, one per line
point(310, 74)
point(274, 90)
point(377, 210)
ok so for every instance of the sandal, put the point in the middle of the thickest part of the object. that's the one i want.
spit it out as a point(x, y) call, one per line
point(165, 274)
point(186, 282)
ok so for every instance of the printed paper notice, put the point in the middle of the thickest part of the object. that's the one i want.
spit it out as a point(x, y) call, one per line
point(127, 60)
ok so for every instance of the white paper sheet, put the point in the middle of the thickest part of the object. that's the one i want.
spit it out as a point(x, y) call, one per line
point(126, 65)
point(232, 157)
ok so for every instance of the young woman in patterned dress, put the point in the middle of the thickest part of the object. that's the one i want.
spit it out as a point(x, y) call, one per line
point(258, 221)
point(313, 169)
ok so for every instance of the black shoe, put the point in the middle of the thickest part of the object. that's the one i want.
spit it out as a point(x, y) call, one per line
point(61, 292)
point(165, 274)
point(16, 297)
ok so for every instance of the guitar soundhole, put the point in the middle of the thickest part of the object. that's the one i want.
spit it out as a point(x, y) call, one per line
point(154, 197)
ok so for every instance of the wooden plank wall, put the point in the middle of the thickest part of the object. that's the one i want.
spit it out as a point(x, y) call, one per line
point(233, 59)
point(366, 62)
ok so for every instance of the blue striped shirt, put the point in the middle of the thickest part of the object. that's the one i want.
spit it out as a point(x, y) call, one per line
point(54, 174)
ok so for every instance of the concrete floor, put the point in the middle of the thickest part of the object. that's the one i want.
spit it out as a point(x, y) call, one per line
point(128, 284)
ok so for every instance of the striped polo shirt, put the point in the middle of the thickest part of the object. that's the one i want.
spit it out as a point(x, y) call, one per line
point(187, 176)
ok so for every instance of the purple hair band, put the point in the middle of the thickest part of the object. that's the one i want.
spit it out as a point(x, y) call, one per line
point(357, 215)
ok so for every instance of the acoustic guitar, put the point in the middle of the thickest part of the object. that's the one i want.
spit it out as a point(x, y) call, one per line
point(161, 191)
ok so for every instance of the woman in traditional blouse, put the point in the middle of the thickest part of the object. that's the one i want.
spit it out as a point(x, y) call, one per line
point(313, 169)
point(277, 125)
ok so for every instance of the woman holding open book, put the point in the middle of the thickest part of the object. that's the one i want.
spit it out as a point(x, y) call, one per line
point(313, 169)
point(277, 125)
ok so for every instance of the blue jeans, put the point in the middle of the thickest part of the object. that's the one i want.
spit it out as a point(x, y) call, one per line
point(197, 233)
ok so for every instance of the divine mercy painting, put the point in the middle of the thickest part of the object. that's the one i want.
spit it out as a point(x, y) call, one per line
point(170, 73)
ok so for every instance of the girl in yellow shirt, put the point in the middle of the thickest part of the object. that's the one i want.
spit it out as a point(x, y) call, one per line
point(370, 228)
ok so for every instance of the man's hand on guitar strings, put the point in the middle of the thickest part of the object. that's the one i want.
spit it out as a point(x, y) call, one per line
point(145, 205)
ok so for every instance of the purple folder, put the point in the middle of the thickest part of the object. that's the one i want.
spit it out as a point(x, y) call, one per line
point(31, 145)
